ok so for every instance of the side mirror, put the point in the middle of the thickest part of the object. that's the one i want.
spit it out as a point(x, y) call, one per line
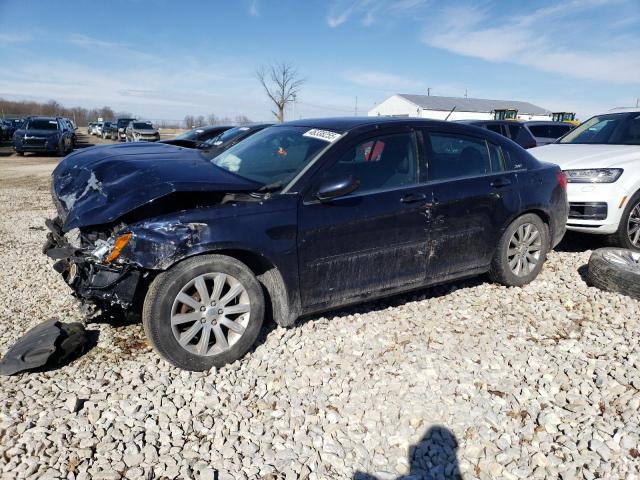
point(335, 188)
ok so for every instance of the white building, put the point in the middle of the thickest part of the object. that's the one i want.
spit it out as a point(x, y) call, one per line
point(439, 108)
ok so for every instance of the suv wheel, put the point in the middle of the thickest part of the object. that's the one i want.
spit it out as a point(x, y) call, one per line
point(628, 234)
point(521, 252)
point(204, 312)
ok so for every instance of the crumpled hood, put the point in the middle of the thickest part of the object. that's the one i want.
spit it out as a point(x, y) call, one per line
point(98, 185)
point(570, 156)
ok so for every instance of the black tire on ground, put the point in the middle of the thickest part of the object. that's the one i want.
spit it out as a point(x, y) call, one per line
point(20, 153)
point(159, 300)
point(62, 149)
point(500, 272)
point(621, 237)
point(615, 270)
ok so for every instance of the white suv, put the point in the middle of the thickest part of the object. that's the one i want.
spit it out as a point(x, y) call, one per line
point(601, 159)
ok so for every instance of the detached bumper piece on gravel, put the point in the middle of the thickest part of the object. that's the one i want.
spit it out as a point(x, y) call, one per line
point(50, 342)
point(615, 270)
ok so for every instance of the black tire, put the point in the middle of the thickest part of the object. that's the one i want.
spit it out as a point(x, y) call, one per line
point(615, 270)
point(500, 271)
point(61, 149)
point(621, 237)
point(159, 301)
point(20, 153)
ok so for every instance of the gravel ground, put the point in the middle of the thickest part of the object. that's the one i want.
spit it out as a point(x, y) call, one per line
point(468, 379)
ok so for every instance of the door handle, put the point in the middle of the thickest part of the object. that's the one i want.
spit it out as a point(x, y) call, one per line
point(501, 182)
point(413, 197)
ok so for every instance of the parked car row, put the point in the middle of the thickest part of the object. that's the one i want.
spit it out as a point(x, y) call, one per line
point(125, 129)
point(45, 134)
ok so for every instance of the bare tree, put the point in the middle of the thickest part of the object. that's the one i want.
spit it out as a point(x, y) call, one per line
point(242, 120)
point(281, 82)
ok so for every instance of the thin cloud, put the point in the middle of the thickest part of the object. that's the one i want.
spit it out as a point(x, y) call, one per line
point(15, 38)
point(369, 11)
point(383, 81)
point(536, 41)
point(254, 9)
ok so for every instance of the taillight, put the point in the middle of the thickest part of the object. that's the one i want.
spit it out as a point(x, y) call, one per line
point(562, 180)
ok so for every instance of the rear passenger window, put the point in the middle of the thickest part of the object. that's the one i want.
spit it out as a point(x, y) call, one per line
point(457, 156)
point(381, 163)
point(496, 157)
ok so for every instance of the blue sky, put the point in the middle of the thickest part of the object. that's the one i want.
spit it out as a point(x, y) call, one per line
point(165, 59)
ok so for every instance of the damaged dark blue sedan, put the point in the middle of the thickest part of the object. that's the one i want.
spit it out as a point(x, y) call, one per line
point(299, 218)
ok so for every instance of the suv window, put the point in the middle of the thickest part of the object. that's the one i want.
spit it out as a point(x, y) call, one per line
point(495, 127)
point(549, 131)
point(380, 163)
point(513, 130)
point(456, 156)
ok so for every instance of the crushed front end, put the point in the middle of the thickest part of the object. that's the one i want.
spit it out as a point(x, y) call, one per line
point(90, 264)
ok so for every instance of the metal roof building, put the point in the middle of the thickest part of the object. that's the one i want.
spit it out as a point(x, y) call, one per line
point(456, 108)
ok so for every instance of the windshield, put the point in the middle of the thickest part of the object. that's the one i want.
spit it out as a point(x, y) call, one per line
point(610, 129)
point(143, 126)
point(189, 135)
point(227, 136)
point(272, 156)
point(42, 125)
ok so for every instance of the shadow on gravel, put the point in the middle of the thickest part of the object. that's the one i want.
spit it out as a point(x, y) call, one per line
point(433, 457)
point(115, 317)
point(582, 271)
point(574, 242)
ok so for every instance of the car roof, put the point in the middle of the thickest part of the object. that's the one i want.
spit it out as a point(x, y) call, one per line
point(623, 110)
point(43, 118)
point(344, 124)
point(548, 122)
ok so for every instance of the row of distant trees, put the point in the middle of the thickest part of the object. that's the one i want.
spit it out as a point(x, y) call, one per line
point(192, 121)
point(80, 115)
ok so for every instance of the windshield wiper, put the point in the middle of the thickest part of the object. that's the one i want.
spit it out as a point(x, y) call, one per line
point(270, 187)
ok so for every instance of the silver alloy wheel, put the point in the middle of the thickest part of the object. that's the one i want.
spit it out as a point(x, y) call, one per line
point(627, 259)
point(633, 226)
point(210, 314)
point(523, 253)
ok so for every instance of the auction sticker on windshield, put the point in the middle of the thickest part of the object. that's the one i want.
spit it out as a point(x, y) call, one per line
point(326, 135)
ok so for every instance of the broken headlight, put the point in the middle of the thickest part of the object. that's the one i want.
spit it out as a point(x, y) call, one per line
point(109, 250)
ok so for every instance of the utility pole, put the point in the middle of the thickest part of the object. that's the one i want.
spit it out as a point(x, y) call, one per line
point(428, 91)
point(465, 93)
point(356, 110)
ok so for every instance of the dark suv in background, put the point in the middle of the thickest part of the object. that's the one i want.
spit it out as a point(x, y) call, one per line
point(43, 134)
point(298, 218)
point(526, 134)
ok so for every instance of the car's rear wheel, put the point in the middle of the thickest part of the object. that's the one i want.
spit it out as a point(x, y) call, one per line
point(204, 312)
point(628, 234)
point(521, 251)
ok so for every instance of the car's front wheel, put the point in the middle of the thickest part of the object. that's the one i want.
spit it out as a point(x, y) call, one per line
point(628, 234)
point(521, 251)
point(204, 312)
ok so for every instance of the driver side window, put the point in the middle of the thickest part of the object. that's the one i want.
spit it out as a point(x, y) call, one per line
point(379, 163)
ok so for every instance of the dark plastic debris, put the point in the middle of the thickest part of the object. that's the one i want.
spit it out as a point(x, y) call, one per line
point(51, 342)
